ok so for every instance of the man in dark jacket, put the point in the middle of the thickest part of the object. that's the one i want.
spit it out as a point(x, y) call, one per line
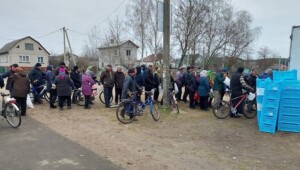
point(139, 76)
point(186, 78)
point(75, 76)
point(9, 76)
point(37, 78)
point(119, 77)
point(156, 83)
point(251, 81)
point(237, 84)
point(129, 86)
point(107, 80)
point(148, 80)
point(192, 84)
point(50, 81)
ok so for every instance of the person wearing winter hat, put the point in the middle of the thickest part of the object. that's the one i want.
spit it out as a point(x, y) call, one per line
point(37, 78)
point(203, 90)
point(237, 84)
point(86, 86)
point(64, 86)
point(218, 87)
point(50, 81)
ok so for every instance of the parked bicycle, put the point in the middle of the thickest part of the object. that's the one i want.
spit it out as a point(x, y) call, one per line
point(79, 99)
point(10, 111)
point(223, 109)
point(42, 94)
point(128, 109)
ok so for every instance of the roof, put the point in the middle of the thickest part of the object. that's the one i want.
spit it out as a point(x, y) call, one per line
point(152, 58)
point(7, 47)
point(114, 46)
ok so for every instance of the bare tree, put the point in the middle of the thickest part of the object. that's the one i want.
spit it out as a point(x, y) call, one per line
point(263, 54)
point(94, 41)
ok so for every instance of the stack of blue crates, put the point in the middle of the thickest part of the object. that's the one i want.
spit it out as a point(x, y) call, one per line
point(260, 89)
point(270, 107)
point(280, 76)
point(289, 114)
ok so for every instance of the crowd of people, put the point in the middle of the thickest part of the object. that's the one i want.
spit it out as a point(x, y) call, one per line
point(200, 86)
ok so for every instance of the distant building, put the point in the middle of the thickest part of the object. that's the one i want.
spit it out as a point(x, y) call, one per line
point(25, 52)
point(151, 60)
point(123, 54)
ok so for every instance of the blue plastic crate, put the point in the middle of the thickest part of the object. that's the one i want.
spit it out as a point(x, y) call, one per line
point(271, 102)
point(294, 110)
point(279, 76)
point(290, 85)
point(267, 127)
point(290, 127)
point(289, 118)
point(269, 111)
point(290, 93)
point(259, 99)
point(290, 102)
point(268, 119)
point(261, 83)
point(258, 116)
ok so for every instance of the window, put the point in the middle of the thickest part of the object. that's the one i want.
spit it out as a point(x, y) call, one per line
point(128, 52)
point(3, 59)
point(40, 48)
point(41, 60)
point(24, 59)
point(28, 46)
point(18, 46)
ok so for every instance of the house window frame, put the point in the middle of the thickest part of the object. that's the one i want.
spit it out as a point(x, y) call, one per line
point(29, 46)
point(128, 52)
point(24, 59)
point(40, 59)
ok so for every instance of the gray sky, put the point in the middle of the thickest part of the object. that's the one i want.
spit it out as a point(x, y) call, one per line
point(20, 18)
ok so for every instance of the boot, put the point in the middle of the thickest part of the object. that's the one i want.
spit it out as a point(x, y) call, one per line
point(52, 106)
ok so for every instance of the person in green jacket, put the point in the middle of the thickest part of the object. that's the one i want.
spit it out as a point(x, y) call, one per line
point(219, 85)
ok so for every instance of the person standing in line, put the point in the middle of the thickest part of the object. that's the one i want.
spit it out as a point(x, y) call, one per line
point(119, 77)
point(50, 80)
point(192, 84)
point(87, 90)
point(9, 75)
point(129, 86)
point(21, 89)
point(37, 78)
point(157, 81)
point(148, 80)
point(219, 85)
point(203, 90)
point(178, 80)
point(185, 82)
point(76, 78)
point(107, 80)
point(64, 86)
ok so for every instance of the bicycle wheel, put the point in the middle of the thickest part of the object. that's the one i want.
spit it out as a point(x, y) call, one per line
point(79, 98)
point(12, 115)
point(249, 115)
point(154, 110)
point(174, 104)
point(102, 99)
point(221, 109)
point(124, 111)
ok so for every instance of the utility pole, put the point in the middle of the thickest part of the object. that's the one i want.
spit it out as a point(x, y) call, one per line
point(166, 52)
point(66, 60)
point(67, 57)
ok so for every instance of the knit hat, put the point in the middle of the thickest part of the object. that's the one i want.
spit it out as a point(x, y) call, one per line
point(203, 73)
point(240, 69)
point(131, 70)
point(88, 72)
point(62, 64)
point(62, 73)
point(38, 65)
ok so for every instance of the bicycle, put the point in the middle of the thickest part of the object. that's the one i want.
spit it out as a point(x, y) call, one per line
point(173, 101)
point(79, 99)
point(128, 109)
point(223, 109)
point(10, 111)
point(42, 94)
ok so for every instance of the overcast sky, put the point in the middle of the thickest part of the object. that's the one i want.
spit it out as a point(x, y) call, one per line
point(36, 18)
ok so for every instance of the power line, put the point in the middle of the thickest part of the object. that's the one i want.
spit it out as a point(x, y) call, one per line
point(111, 13)
point(48, 33)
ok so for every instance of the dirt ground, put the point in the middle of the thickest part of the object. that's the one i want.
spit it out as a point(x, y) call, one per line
point(190, 140)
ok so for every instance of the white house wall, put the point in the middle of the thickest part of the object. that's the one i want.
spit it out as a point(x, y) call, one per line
point(14, 54)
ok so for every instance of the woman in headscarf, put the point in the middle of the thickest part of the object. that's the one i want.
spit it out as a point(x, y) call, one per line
point(64, 86)
point(203, 90)
point(87, 83)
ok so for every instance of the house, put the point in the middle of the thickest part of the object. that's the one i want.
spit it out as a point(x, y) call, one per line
point(118, 54)
point(156, 60)
point(25, 52)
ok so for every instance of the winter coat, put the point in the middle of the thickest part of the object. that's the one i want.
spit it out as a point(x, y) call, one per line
point(107, 78)
point(9, 82)
point(203, 87)
point(218, 82)
point(139, 77)
point(129, 85)
point(178, 78)
point(193, 83)
point(76, 79)
point(63, 86)
point(87, 84)
point(251, 80)
point(148, 79)
point(119, 79)
point(21, 85)
point(37, 77)
point(49, 78)
point(156, 81)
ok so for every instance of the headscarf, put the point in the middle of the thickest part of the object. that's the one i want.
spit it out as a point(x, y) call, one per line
point(62, 73)
point(89, 72)
point(203, 73)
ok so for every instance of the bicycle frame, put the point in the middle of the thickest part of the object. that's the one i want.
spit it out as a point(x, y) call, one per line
point(243, 98)
point(33, 90)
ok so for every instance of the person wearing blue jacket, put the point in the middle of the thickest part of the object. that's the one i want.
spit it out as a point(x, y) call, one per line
point(203, 90)
point(50, 79)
